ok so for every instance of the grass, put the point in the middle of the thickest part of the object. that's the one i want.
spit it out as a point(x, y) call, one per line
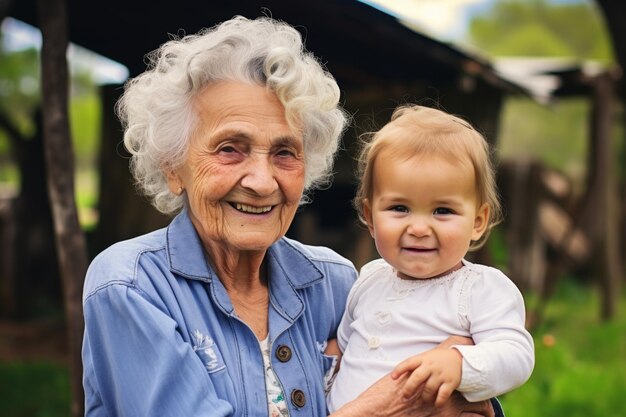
point(580, 368)
point(34, 389)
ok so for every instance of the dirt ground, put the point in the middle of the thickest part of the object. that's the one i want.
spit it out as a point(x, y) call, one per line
point(32, 341)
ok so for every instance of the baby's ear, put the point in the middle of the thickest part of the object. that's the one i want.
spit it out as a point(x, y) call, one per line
point(481, 221)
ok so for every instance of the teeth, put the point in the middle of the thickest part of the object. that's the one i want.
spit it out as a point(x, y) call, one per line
point(251, 209)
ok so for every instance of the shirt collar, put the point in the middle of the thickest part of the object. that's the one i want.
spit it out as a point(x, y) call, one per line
point(186, 257)
point(184, 249)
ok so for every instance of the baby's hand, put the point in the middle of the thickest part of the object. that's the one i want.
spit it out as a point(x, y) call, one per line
point(435, 375)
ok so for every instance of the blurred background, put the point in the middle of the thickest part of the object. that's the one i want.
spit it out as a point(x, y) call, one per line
point(542, 79)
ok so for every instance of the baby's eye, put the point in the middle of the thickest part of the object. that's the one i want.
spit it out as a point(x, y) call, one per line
point(443, 210)
point(399, 209)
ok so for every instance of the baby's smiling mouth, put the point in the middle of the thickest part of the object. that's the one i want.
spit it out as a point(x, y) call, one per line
point(245, 208)
point(420, 250)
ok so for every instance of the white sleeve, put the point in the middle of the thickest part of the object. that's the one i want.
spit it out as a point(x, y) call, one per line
point(503, 355)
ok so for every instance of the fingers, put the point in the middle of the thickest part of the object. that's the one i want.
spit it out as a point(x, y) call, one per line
point(430, 389)
point(444, 393)
point(406, 365)
point(414, 384)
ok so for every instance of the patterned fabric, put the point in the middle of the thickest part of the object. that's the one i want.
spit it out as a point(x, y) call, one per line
point(275, 397)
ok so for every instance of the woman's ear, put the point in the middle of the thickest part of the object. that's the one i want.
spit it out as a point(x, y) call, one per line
point(174, 183)
point(367, 214)
point(481, 221)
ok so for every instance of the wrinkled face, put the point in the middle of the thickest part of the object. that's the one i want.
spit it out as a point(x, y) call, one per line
point(423, 213)
point(244, 172)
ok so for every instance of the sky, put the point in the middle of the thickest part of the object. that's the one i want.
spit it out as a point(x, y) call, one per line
point(444, 19)
point(17, 35)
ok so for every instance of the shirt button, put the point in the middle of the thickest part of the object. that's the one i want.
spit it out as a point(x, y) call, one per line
point(283, 353)
point(298, 398)
point(373, 342)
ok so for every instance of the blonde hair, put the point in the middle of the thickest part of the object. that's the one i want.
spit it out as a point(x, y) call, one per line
point(157, 113)
point(417, 130)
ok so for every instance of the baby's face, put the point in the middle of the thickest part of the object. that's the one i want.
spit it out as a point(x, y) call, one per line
point(423, 214)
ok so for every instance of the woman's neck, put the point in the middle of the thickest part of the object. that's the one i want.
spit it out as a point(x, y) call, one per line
point(244, 276)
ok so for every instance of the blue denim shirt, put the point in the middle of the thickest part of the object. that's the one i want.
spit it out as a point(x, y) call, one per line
point(162, 338)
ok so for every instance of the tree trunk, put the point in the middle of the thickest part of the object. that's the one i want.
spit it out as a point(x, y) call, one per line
point(71, 245)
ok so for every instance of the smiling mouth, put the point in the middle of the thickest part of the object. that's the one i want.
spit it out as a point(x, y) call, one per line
point(245, 208)
point(421, 250)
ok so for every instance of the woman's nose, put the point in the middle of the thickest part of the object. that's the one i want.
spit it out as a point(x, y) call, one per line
point(260, 176)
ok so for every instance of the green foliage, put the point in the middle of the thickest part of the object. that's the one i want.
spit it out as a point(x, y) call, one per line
point(540, 28)
point(19, 99)
point(38, 389)
point(19, 80)
point(532, 39)
point(19, 90)
point(579, 368)
point(555, 134)
point(85, 121)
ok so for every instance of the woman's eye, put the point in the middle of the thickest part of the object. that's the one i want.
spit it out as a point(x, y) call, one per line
point(228, 149)
point(443, 210)
point(286, 152)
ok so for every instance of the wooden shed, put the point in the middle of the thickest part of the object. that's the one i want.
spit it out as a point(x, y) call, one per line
point(377, 61)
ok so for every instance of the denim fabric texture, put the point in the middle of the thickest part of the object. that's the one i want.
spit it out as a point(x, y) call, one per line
point(162, 338)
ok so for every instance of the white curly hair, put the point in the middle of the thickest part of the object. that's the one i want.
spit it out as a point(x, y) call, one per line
point(156, 107)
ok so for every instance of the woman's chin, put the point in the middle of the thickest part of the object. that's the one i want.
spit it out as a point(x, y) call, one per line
point(253, 241)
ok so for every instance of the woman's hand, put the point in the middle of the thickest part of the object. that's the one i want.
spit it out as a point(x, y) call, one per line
point(385, 399)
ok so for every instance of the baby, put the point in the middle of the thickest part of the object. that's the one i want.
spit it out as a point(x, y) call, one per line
point(427, 195)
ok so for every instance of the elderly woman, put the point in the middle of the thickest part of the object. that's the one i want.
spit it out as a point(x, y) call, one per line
point(219, 314)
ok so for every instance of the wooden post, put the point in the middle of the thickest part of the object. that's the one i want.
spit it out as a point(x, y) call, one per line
point(600, 216)
point(608, 245)
point(615, 16)
point(520, 185)
point(70, 239)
